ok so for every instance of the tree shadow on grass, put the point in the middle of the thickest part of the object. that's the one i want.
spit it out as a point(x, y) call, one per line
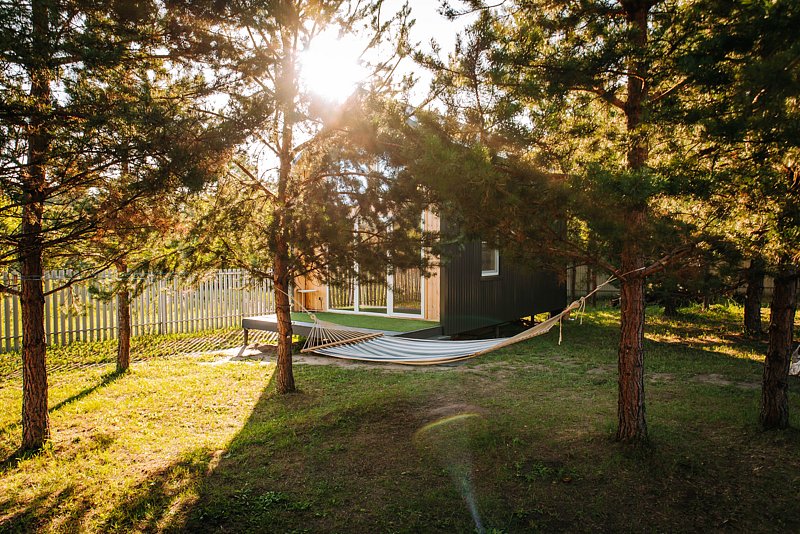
point(29, 518)
point(154, 503)
point(329, 459)
point(44, 512)
point(344, 456)
point(337, 458)
point(147, 506)
point(15, 457)
point(164, 499)
point(106, 379)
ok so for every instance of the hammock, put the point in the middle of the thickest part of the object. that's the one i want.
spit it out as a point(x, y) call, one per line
point(330, 339)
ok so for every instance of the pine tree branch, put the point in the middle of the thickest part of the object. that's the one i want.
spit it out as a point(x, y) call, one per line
point(667, 259)
point(255, 180)
point(604, 94)
point(10, 290)
point(671, 90)
point(452, 13)
point(234, 258)
point(87, 275)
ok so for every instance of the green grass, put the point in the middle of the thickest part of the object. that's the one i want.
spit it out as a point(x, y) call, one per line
point(97, 353)
point(522, 436)
point(373, 322)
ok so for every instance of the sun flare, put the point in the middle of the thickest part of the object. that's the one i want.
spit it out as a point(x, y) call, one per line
point(330, 67)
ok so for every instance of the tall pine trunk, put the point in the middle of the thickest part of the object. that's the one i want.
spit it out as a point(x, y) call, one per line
point(284, 379)
point(632, 426)
point(35, 420)
point(752, 300)
point(123, 320)
point(284, 376)
point(281, 277)
point(775, 383)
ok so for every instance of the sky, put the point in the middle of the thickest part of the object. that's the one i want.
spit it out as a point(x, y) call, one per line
point(330, 67)
point(430, 24)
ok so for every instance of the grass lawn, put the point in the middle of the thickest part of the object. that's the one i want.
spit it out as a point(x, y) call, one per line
point(373, 322)
point(520, 440)
point(101, 353)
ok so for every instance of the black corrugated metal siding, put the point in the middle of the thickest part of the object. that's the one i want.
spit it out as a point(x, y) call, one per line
point(469, 301)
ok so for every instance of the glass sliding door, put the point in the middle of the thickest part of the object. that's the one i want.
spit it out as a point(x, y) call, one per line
point(407, 292)
point(373, 296)
point(398, 294)
point(341, 294)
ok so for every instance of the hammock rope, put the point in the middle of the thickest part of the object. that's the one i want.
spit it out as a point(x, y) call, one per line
point(331, 339)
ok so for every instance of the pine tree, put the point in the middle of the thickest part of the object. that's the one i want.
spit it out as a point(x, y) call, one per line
point(750, 73)
point(583, 101)
point(84, 93)
point(319, 203)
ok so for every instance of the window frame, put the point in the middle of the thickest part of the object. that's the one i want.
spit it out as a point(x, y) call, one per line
point(489, 273)
point(389, 294)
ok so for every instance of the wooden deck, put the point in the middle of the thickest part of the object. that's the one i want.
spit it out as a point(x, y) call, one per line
point(269, 323)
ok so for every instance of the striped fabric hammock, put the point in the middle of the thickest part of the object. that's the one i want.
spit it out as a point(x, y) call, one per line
point(330, 339)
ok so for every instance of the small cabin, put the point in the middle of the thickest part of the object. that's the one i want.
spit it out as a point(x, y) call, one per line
point(475, 288)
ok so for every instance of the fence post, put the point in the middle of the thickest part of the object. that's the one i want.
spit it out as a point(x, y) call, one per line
point(160, 307)
point(7, 313)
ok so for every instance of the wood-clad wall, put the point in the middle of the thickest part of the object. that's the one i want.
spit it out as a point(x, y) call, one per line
point(316, 301)
point(433, 282)
point(471, 301)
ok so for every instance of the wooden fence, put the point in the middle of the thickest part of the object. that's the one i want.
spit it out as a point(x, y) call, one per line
point(586, 281)
point(583, 281)
point(163, 306)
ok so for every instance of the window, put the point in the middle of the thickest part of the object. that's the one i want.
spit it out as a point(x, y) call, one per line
point(490, 260)
point(401, 292)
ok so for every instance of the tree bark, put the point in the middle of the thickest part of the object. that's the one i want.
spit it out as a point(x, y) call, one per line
point(775, 383)
point(752, 299)
point(284, 376)
point(632, 426)
point(288, 80)
point(123, 321)
point(35, 419)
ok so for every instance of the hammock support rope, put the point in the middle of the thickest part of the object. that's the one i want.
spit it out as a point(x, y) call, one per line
point(330, 339)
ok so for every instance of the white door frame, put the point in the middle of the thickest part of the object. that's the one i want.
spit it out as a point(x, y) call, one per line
point(389, 300)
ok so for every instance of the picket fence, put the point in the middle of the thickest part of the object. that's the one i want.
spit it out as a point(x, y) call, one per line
point(163, 306)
